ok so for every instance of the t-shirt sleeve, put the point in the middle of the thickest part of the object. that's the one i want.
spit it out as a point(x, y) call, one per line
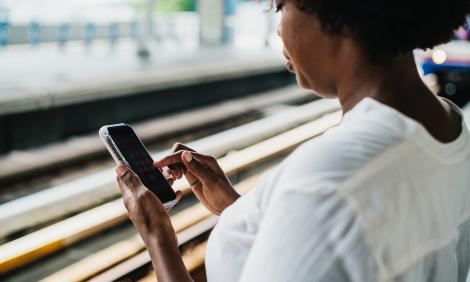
point(309, 235)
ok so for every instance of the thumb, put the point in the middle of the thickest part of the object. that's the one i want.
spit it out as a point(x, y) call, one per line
point(128, 177)
point(204, 174)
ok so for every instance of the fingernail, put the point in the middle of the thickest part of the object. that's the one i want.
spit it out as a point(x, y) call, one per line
point(121, 170)
point(187, 156)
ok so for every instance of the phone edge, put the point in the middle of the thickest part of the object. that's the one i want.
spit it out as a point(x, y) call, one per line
point(119, 159)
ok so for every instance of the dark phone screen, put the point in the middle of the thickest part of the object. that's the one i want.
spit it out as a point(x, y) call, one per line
point(140, 162)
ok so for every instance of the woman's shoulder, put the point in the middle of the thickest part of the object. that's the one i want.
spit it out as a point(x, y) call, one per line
point(344, 149)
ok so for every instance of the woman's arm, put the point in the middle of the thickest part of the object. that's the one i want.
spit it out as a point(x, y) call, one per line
point(166, 260)
point(154, 226)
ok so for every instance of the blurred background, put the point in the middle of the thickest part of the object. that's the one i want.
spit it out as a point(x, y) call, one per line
point(206, 72)
point(64, 53)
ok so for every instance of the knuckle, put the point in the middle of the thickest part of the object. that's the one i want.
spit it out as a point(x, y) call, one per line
point(194, 182)
point(134, 181)
point(176, 146)
point(208, 157)
point(217, 181)
point(127, 177)
point(175, 155)
point(211, 158)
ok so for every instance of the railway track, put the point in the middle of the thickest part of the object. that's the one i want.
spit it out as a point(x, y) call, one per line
point(247, 152)
point(22, 165)
point(88, 191)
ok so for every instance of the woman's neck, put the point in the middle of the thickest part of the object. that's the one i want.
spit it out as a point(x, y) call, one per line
point(397, 84)
point(394, 83)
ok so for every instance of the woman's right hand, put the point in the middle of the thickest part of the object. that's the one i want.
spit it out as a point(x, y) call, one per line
point(208, 181)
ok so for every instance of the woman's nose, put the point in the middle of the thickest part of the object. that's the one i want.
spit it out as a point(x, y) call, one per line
point(279, 30)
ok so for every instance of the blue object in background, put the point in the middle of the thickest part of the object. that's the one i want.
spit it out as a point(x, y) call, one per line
point(113, 32)
point(134, 30)
point(4, 32)
point(90, 31)
point(35, 33)
point(430, 67)
point(230, 7)
point(64, 33)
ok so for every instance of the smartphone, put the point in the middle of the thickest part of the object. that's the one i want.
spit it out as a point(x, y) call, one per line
point(127, 149)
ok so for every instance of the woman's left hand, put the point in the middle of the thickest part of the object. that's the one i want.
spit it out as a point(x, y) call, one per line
point(145, 209)
point(154, 226)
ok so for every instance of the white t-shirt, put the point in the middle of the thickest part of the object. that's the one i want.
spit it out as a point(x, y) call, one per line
point(376, 198)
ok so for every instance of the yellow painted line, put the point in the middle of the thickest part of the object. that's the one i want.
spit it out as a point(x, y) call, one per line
point(57, 236)
point(114, 254)
point(9, 262)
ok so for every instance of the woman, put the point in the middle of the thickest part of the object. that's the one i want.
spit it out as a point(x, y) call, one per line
point(384, 196)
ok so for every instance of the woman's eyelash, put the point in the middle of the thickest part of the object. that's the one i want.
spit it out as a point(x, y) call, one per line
point(278, 7)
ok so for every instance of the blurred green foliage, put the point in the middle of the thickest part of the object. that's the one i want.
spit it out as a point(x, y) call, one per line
point(175, 5)
point(166, 5)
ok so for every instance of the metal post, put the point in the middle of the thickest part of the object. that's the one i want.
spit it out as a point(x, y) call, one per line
point(145, 29)
point(4, 27)
point(217, 21)
point(89, 33)
point(64, 34)
point(4, 33)
point(269, 29)
point(113, 33)
point(229, 20)
point(35, 33)
point(134, 30)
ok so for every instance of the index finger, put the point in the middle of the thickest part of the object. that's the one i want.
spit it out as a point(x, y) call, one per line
point(180, 147)
point(171, 159)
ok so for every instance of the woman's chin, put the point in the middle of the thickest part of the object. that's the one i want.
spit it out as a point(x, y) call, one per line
point(304, 84)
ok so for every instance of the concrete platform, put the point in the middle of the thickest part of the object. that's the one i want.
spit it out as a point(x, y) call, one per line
point(47, 94)
point(47, 76)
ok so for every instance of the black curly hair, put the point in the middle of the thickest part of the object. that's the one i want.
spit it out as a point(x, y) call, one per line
point(386, 28)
